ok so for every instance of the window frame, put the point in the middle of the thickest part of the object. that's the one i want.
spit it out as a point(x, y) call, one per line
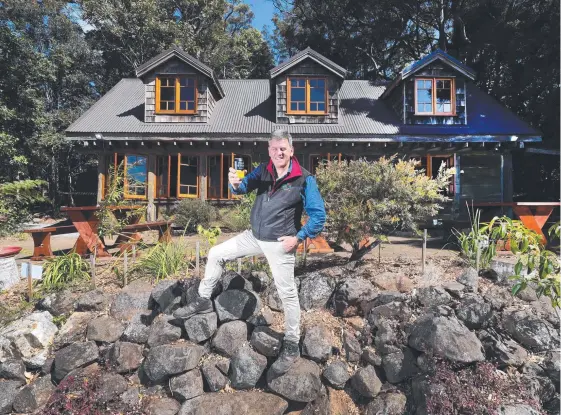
point(157, 184)
point(125, 181)
point(328, 155)
point(177, 78)
point(307, 111)
point(186, 195)
point(433, 100)
point(229, 195)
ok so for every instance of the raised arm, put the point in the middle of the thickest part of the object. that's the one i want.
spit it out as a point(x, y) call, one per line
point(248, 183)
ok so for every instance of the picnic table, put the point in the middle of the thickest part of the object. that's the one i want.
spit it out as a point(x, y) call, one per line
point(533, 215)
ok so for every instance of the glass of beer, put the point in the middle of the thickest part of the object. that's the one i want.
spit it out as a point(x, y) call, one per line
point(239, 166)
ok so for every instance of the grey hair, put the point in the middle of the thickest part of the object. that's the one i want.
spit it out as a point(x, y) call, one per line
point(281, 134)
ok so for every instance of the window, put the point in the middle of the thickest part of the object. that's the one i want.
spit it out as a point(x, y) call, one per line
point(316, 160)
point(176, 95)
point(431, 164)
point(135, 176)
point(434, 97)
point(188, 176)
point(163, 171)
point(217, 174)
point(307, 96)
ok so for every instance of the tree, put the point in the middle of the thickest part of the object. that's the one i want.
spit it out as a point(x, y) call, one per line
point(365, 199)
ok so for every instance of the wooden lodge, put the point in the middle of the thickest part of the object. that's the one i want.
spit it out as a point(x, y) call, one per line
point(177, 128)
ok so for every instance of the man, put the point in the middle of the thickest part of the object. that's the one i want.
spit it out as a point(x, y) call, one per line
point(284, 189)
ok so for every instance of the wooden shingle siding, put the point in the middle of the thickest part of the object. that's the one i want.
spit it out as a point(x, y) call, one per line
point(308, 68)
point(203, 94)
point(438, 70)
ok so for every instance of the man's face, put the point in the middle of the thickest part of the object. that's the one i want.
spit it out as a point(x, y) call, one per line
point(280, 152)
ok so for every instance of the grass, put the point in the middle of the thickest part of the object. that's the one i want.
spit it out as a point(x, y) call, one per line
point(63, 270)
point(165, 260)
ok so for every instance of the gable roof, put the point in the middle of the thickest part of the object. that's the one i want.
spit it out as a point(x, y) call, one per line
point(427, 60)
point(308, 53)
point(176, 52)
point(247, 111)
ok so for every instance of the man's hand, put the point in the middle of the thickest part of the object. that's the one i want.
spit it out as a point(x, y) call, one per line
point(289, 243)
point(233, 178)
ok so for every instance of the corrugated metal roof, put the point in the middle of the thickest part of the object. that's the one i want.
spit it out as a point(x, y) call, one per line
point(305, 54)
point(431, 57)
point(247, 109)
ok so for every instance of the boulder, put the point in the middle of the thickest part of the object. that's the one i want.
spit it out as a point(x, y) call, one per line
point(366, 382)
point(13, 369)
point(229, 337)
point(8, 350)
point(445, 337)
point(273, 300)
point(187, 386)
point(260, 281)
point(246, 367)
point(167, 295)
point(162, 331)
point(316, 289)
point(58, 303)
point(167, 360)
point(231, 280)
point(317, 343)
point(391, 281)
point(30, 338)
point(351, 294)
point(94, 300)
point(34, 395)
point(517, 409)
point(470, 279)
point(530, 331)
point(201, 327)
point(266, 341)
point(336, 373)
point(254, 403)
point(8, 392)
point(301, 383)
point(552, 366)
point(74, 356)
point(400, 365)
point(74, 329)
point(104, 329)
point(132, 299)
point(163, 406)
point(433, 296)
point(236, 305)
point(396, 310)
point(111, 387)
point(369, 356)
point(262, 318)
point(352, 347)
point(215, 379)
point(386, 338)
point(474, 312)
point(505, 352)
point(454, 288)
point(125, 357)
point(498, 297)
point(389, 403)
point(138, 328)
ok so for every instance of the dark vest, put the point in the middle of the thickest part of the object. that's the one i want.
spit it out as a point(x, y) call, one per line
point(278, 206)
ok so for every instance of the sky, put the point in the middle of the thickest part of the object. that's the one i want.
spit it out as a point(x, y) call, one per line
point(263, 11)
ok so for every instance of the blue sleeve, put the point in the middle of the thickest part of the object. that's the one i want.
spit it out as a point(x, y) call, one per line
point(249, 182)
point(315, 208)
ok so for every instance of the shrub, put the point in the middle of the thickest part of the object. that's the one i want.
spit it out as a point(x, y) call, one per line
point(164, 260)
point(16, 198)
point(476, 239)
point(238, 218)
point(373, 199)
point(63, 270)
point(191, 213)
point(478, 389)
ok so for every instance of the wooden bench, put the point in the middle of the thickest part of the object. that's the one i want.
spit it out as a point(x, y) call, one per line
point(42, 239)
point(130, 235)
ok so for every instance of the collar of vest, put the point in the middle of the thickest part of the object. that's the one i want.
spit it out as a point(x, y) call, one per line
point(295, 170)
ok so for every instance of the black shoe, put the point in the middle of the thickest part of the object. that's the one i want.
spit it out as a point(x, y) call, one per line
point(290, 352)
point(199, 306)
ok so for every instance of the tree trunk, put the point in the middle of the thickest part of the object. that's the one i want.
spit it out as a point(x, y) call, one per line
point(442, 40)
point(358, 253)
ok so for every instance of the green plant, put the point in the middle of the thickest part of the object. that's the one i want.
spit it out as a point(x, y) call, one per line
point(536, 266)
point(375, 198)
point(211, 234)
point(476, 240)
point(165, 260)
point(190, 213)
point(239, 217)
point(16, 198)
point(109, 223)
point(63, 270)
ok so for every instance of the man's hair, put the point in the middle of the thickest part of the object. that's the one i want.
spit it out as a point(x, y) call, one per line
point(281, 134)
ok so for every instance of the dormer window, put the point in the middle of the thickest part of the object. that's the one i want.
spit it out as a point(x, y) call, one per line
point(176, 95)
point(434, 96)
point(306, 95)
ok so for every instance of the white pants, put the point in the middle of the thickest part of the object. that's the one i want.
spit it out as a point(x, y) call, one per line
point(282, 268)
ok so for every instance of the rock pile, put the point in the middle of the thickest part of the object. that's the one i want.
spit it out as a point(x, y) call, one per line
point(150, 362)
